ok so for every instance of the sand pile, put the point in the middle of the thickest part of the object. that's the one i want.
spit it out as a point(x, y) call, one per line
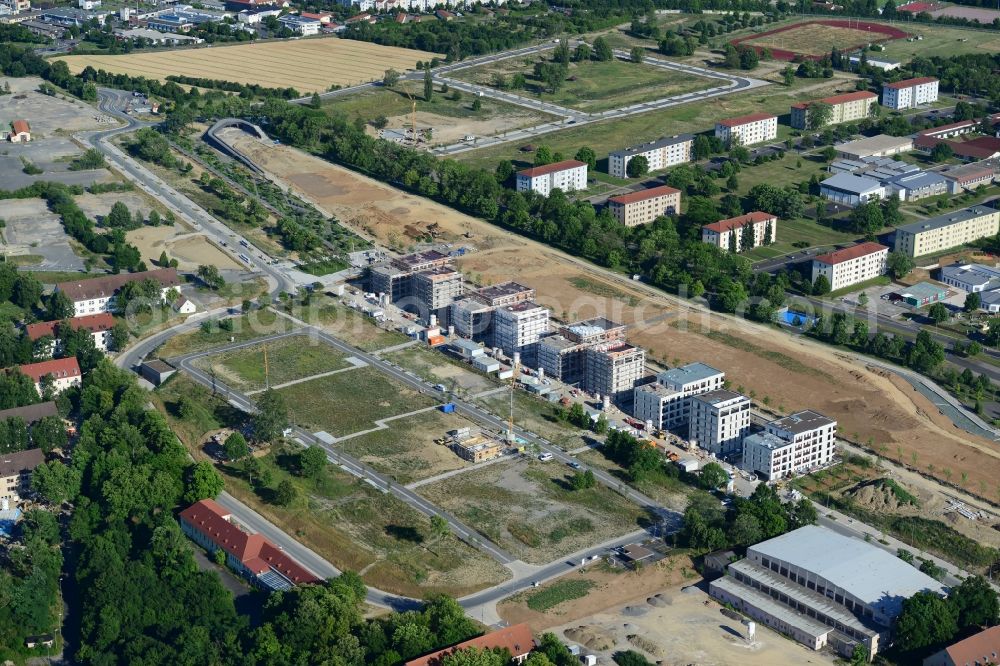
point(591, 637)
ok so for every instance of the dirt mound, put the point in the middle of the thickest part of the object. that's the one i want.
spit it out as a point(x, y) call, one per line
point(875, 496)
point(591, 637)
point(659, 600)
point(644, 644)
point(634, 611)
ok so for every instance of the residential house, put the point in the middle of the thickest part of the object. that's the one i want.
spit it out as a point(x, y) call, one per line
point(516, 640)
point(851, 265)
point(660, 154)
point(99, 325)
point(97, 294)
point(727, 235)
point(845, 108)
point(644, 206)
point(909, 93)
point(15, 473)
point(20, 132)
point(946, 231)
point(60, 374)
point(568, 176)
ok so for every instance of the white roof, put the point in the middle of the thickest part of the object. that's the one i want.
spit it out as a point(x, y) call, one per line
point(850, 183)
point(874, 576)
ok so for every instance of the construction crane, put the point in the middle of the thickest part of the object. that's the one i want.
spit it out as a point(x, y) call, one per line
point(413, 116)
point(511, 439)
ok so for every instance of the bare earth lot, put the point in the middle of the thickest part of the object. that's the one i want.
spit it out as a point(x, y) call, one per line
point(308, 65)
point(813, 39)
point(432, 366)
point(794, 373)
point(527, 507)
point(33, 229)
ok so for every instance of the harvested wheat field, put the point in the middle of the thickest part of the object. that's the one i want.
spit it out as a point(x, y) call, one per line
point(308, 65)
point(793, 373)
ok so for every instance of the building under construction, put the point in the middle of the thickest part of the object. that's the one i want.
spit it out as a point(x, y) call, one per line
point(519, 327)
point(418, 282)
point(612, 369)
point(473, 315)
point(475, 448)
point(563, 356)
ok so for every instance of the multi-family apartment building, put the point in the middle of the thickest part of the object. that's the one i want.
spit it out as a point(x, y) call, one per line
point(947, 231)
point(422, 282)
point(851, 265)
point(612, 370)
point(99, 325)
point(15, 472)
point(568, 176)
point(472, 315)
point(436, 288)
point(644, 206)
point(727, 234)
point(519, 327)
point(747, 130)
point(910, 93)
point(659, 154)
point(844, 108)
point(16, 6)
point(666, 403)
point(563, 355)
point(60, 374)
point(791, 445)
point(719, 420)
point(98, 294)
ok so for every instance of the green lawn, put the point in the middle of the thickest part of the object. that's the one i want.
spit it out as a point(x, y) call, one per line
point(880, 281)
point(434, 366)
point(349, 401)
point(257, 324)
point(349, 325)
point(536, 414)
point(287, 359)
point(557, 593)
point(594, 86)
point(939, 40)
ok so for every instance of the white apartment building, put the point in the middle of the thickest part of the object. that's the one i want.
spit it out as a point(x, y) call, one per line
point(15, 472)
point(946, 231)
point(720, 420)
point(613, 369)
point(910, 93)
point(747, 130)
point(843, 109)
point(852, 265)
point(644, 206)
point(665, 152)
point(727, 234)
point(99, 325)
point(791, 445)
point(61, 373)
point(568, 176)
point(97, 295)
point(301, 25)
point(519, 327)
point(666, 404)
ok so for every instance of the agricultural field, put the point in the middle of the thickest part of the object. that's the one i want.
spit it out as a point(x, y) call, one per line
point(349, 402)
point(529, 508)
point(818, 38)
point(288, 359)
point(343, 519)
point(349, 325)
point(434, 366)
point(594, 86)
point(308, 65)
point(406, 450)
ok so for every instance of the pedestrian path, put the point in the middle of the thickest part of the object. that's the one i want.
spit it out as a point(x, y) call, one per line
point(355, 364)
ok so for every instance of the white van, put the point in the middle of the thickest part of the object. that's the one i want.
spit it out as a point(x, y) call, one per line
point(545, 457)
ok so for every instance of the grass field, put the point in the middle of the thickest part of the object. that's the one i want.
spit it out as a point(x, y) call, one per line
point(256, 324)
point(595, 86)
point(940, 40)
point(813, 39)
point(349, 325)
point(433, 366)
point(349, 401)
point(534, 414)
point(288, 359)
point(557, 593)
point(344, 520)
point(529, 508)
point(406, 450)
point(308, 65)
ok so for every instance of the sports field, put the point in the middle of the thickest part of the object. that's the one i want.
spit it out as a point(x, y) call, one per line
point(818, 38)
point(308, 65)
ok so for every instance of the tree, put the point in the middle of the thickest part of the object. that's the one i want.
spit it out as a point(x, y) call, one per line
point(154, 218)
point(55, 482)
point(926, 619)
point(235, 447)
point(390, 78)
point(818, 115)
point(899, 265)
point(60, 306)
point(732, 57)
point(821, 286)
point(285, 493)
point(973, 302)
point(746, 238)
point(867, 218)
point(561, 53)
point(271, 417)
point(637, 166)
point(49, 433)
point(312, 462)
point(582, 52)
point(938, 313)
point(203, 482)
point(315, 102)
point(428, 84)
point(637, 54)
point(119, 336)
point(975, 603)
point(602, 52)
point(439, 527)
point(210, 275)
point(745, 530)
point(119, 217)
point(27, 291)
point(630, 658)
point(583, 480)
point(749, 58)
point(732, 183)
point(713, 476)
point(543, 156)
point(859, 656)
point(942, 152)
point(587, 155)
point(925, 354)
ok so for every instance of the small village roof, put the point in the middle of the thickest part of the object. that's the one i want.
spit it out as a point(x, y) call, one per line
point(849, 253)
point(839, 99)
point(981, 648)
point(516, 639)
point(20, 126)
point(755, 217)
point(60, 368)
point(30, 413)
point(909, 83)
point(104, 287)
point(20, 461)
point(743, 120)
point(95, 323)
point(550, 168)
point(642, 195)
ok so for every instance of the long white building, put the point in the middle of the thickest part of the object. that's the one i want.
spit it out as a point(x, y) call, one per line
point(666, 404)
point(947, 231)
point(851, 265)
point(910, 93)
point(791, 445)
point(747, 130)
point(720, 420)
point(97, 295)
point(660, 154)
point(568, 176)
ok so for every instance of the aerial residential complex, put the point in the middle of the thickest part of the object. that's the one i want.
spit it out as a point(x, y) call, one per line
point(472, 315)
point(851, 265)
point(947, 231)
point(612, 369)
point(747, 130)
point(727, 235)
point(823, 588)
point(660, 154)
point(644, 206)
point(719, 421)
point(791, 445)
point(666, 404)
point(568, 176)
point(844, 109)
point(97, 294)
point(422, 281)
point(910, 93)
point(563, 355)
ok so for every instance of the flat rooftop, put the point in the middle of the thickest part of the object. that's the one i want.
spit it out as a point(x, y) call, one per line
point(419, 258)
point(558, 342)
point(922, 290)
point(523, 306)
point(846, 182)
point(502, 290)
point(941, 221)
point(876, 144)
point(768, 440)
point(719, 395)
point(975, 274)
point(594, 326)
point(439, 272)
point(803, 421)
point(658, 390)
point(653, 145)
point(687, 374)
